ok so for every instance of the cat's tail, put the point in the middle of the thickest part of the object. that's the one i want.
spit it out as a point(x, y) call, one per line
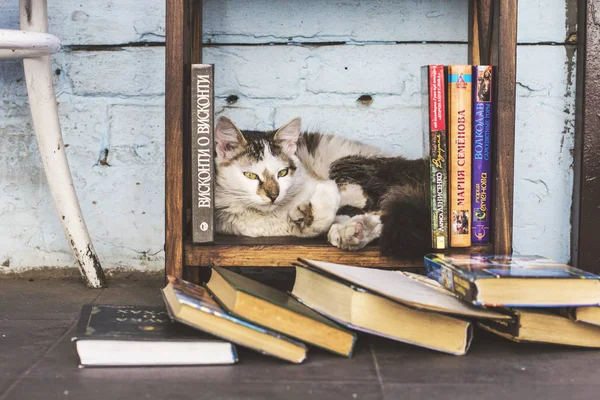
point(406, 222)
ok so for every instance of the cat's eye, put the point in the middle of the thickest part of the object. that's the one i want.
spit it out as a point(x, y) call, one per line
point(283, 172)
point(250, 175)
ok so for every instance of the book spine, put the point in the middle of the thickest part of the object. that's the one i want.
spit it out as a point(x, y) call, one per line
point(459, 131)
point(202, 147)
point(434, 131)
point(451, 280)
point(503, 326)
point(568, 312)
point(482, 153)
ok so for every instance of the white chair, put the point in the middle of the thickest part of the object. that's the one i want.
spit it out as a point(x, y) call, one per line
point(34, 45)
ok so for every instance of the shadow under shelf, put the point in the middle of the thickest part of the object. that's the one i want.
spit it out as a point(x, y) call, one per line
point(235, 251)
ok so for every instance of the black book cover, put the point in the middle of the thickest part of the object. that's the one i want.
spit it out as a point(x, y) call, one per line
point(202, 148)
point(125, 322)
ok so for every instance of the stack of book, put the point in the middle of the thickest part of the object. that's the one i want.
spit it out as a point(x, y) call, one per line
point(522, 298)
point(547, 301)
point(458, 131)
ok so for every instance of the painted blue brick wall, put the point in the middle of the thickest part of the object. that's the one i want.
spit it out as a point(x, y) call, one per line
point(113, 99)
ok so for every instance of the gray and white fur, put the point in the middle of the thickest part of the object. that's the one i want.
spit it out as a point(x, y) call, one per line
point(288, 183)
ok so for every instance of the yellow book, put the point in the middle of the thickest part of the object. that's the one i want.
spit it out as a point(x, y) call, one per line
point(192, 305)
point(277, 310)
point(589, 315)
point(387, 304)
point(459, 138)
point(544, 326)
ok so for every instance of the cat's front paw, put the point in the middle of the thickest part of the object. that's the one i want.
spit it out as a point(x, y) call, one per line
point(355, 233)
point(302, 215)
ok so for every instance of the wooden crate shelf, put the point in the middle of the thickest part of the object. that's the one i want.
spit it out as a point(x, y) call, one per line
point(492, 40)
point(281, 252)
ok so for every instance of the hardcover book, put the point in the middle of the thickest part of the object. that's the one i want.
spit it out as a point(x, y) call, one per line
point(588, 315)
point(459, 133)
point(514, 281)
point(192, 305)
point(545, 326)
point(277, 310)
point(123, 335)
point(413, 290)
point(482, 153)
point(435, 139)
point(337, 296)
point(202, 147)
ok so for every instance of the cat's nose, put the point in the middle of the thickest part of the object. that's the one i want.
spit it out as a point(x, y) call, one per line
point(273, 197)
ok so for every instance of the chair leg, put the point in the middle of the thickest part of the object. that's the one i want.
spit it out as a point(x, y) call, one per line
point(44, 112)
point(42, 101)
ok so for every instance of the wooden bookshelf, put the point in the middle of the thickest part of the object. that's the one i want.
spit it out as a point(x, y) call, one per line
point(492, 33)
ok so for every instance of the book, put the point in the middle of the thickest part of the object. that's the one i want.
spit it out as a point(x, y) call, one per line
point(192, 305)
point(544, 326)
point(125, 335)
point(364, 310)
point(413, 290)
point(436, 143)
point(277, 310)
point(589, 315)
point(482, 153)
point(515, 281)
point(459, 154)
point(202, 148)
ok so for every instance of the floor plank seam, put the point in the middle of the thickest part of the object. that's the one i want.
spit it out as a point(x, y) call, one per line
point(377, 370)
point(4, 395)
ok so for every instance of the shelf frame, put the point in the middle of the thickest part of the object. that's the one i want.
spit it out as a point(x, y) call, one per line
point(488, 19)
point(585, 246)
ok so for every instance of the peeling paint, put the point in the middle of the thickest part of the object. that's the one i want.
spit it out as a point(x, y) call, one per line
point(97, 267)
point(571, 60)
point(231, 99)
point(365, 100)
point(538, 182)
point(103, 160)
point(27, 6)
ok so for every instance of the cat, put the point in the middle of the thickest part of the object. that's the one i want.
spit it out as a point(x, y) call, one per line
point(289, 183)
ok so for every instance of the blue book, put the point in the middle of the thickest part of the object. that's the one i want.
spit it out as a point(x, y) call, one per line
point(482, 153)
point(513, 281)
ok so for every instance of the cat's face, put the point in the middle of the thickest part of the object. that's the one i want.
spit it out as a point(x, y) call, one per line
point(257, 169)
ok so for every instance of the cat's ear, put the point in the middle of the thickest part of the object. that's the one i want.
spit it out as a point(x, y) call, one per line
point(229, 140)
point(288, 135)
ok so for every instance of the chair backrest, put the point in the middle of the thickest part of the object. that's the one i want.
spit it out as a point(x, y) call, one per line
point(21, 44)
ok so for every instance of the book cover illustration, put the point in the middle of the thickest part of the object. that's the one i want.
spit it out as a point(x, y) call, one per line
point(482, 153)
point(468, 275)
point(459, 131)
point(475, 266)
point(435, 141)
point(202, 147)
point(124, 322)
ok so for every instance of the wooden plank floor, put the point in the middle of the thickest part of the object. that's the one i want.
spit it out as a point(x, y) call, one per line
point(38, 361)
